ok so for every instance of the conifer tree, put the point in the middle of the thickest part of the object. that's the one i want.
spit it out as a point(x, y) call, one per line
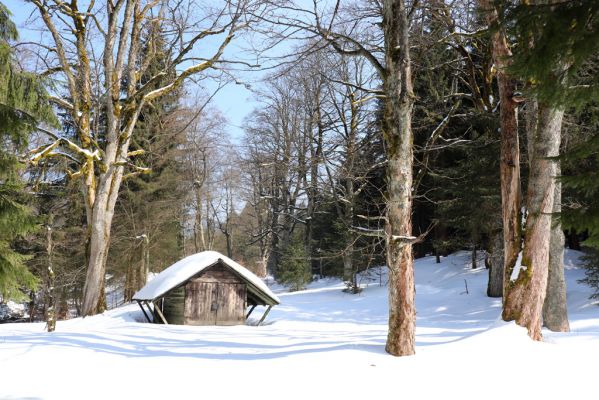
point(294, 269)
point(560, 44)
point(22, 104)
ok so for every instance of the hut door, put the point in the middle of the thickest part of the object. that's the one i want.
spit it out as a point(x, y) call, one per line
point(214, 303)
point(201, 303)
point(231, 303)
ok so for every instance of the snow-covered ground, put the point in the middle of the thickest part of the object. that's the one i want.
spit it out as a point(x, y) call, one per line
point(319, 343)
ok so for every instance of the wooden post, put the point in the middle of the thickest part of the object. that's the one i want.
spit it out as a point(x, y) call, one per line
point(142, 309)
point(264, 316)
point(160, 314)
point(249, 312)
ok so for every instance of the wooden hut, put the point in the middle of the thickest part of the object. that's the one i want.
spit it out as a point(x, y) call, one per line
point(207, 288)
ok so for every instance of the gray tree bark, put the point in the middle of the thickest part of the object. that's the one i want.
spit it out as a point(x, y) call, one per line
point(555, 310)
point(510, 149)
point(524, 297)
point(398, 135)
point(102, 163)
point(495, 284)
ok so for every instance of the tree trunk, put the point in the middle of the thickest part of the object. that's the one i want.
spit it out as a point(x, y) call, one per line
point(101, 220)
point(144, 267)
point(129, 282)
point(495, 285)
point(229, 240)
point(348, 266)
point(555, 308)
point(51, 313)
point(31, 306)
point(510, 148)
point(524, 297)
point(473, 257)
point(397, 132)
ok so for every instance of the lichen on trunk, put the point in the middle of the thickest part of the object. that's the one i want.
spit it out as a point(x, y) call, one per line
point(524, 297)
point(398, 135)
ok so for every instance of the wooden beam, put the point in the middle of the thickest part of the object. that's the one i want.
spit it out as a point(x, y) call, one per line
point(147, 303)
point(264, 316)
point(160, 314)
point(142, 309)
point(251, 309)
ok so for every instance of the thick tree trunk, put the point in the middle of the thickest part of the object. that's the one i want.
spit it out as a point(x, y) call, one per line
point(397, 131)
point(555, 309)
point(524, 297)
point(510, 148)
point(261, 268)
point(495, 284)
point(101, 220)
point(348, 267)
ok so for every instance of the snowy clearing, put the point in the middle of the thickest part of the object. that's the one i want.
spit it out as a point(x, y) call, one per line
point(320, 343)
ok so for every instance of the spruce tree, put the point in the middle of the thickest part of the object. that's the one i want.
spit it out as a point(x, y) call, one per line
point(22, 104)
point(294, 269)
point(567, 34)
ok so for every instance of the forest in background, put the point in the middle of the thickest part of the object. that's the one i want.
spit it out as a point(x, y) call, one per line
point(387, 130)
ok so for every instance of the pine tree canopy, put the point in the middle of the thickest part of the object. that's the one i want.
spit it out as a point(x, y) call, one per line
point(558, 49)
point(22, 104)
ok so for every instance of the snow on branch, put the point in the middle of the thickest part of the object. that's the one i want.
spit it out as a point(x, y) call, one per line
point(379, 233)
point(48, 150)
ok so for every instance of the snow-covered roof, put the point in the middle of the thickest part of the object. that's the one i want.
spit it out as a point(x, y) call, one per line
point(191, 266)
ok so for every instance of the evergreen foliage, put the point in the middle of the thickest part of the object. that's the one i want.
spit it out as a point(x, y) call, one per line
point(294, 269)
point(582, 182)
point(561, 65)
point(469, 196)
point(591, 262)
point(21, 105)
point(560, 44)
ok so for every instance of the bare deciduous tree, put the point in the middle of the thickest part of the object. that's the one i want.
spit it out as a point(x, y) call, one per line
point(95, 53)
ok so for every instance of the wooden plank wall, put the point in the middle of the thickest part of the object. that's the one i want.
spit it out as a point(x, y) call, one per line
point(216, 297)
point(173, 309)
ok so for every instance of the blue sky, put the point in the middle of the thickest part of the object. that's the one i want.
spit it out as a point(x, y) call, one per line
point(234, 101)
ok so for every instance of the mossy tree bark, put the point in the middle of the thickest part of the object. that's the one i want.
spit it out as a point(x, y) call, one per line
point(510, 148)
point(398, 135)
point(102, 162)
point(524, 296)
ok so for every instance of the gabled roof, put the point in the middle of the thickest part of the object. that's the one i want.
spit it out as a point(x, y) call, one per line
point(187, 268)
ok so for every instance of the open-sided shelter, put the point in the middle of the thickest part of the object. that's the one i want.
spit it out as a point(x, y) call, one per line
point(207, 288)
